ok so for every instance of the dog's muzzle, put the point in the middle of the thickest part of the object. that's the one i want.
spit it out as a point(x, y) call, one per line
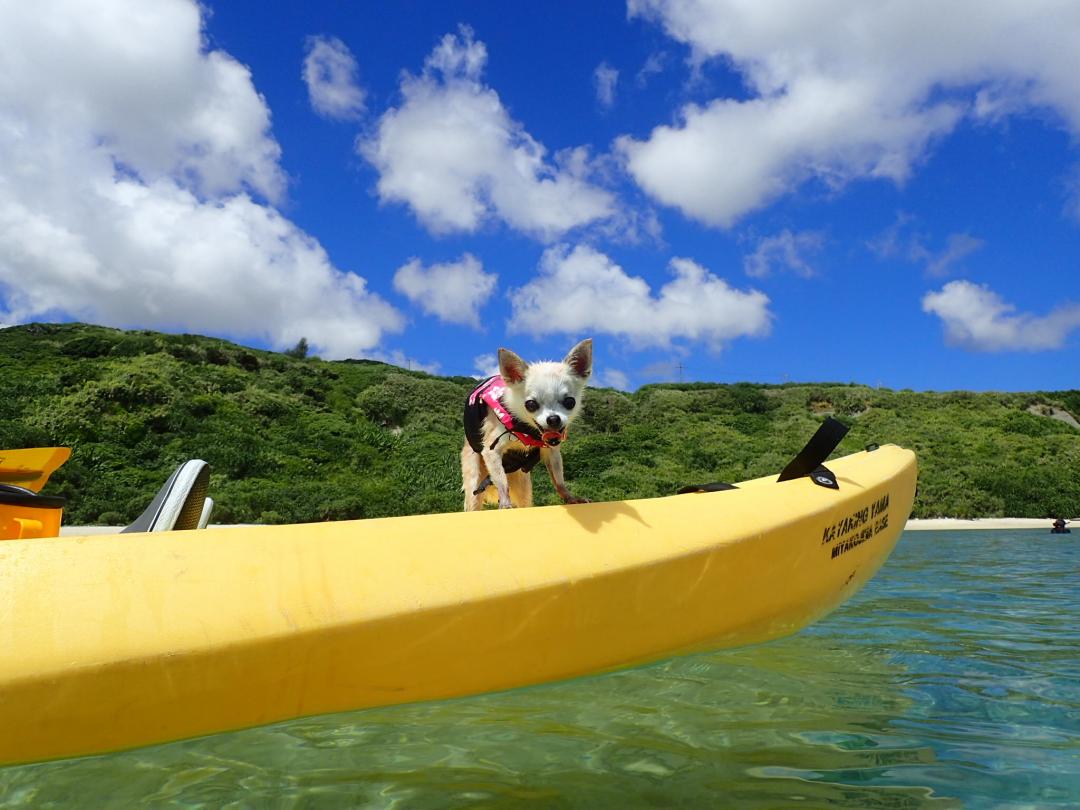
point(553, 438)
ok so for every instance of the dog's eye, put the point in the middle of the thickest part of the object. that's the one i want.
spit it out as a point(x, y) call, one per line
point(531, 405)
point(569, 403)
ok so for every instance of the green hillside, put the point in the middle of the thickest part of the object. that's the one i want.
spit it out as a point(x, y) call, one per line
point(294, 439)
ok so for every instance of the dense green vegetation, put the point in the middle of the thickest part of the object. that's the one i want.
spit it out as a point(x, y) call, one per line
point(292, 438)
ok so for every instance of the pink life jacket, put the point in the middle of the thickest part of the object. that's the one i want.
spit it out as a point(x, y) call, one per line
point(489, 394)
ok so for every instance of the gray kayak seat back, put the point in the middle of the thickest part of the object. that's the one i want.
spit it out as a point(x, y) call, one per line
point(180, 504)
point(204, 517)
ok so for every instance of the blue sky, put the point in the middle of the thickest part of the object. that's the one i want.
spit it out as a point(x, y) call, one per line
point(880, 193)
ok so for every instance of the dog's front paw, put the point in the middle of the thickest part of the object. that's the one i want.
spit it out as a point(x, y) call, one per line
point(506, 504)
point(574, 499)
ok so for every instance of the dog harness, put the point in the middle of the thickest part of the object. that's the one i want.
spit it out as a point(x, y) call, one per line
point(489, 395)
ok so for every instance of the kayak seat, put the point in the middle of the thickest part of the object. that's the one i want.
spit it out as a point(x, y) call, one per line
point(181, 504)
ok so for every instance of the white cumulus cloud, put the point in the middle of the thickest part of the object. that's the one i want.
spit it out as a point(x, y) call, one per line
point(605, 77)
point(453, 154)
point(396, 357)
point(975, 317)
point(486, 365)
point(134, 80)
point(786, 250)
point(901, 239)
point(843, 89)
point(132, 165)
point(453, 292)
point(958, 246)
point(611, 378)
point(330, 73)
point(654, 65)
point(582, 291)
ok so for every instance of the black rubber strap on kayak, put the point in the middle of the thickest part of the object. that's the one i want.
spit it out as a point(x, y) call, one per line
point(12, 495)
point(713, 486)
point(821, 444)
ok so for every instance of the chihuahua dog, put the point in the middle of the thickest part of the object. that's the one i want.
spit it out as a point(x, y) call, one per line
point(516, 418)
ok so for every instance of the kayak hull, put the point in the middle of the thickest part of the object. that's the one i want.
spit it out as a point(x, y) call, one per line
point(113, 642)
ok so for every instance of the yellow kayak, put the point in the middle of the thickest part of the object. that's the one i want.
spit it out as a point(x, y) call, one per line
point(31, 468)
point(117, 641)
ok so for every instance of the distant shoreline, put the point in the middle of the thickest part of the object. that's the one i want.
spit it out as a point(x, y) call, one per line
point(914, 525)
point(949, 524)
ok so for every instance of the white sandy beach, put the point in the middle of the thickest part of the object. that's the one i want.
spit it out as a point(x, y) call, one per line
point(920, 524)
point(915, 524)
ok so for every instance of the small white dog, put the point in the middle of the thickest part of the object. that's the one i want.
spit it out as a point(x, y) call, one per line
point(519, 417)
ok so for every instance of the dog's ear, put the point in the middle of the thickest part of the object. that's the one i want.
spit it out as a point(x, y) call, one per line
point(579, 359)
point(511, 367)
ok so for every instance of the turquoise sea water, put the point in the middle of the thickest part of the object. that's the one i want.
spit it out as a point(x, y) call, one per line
point(951, 680)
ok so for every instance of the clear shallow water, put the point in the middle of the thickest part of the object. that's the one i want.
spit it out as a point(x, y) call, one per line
point(951, 680)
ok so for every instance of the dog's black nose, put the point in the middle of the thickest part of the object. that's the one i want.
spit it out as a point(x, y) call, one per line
point(554, 420)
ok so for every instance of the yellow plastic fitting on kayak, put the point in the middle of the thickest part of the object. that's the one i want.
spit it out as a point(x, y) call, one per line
point(25, 514)
point(31, 467)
